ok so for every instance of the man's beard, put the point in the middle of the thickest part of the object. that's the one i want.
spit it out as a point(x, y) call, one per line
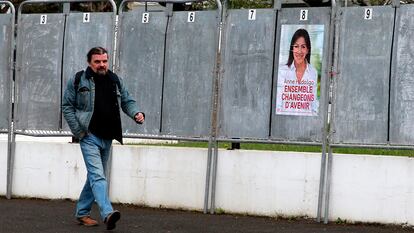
point(101, 72)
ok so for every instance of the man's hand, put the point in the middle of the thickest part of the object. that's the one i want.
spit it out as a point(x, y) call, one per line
point(139, 118)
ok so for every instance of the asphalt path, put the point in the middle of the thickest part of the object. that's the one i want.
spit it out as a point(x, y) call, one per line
point(47, 216)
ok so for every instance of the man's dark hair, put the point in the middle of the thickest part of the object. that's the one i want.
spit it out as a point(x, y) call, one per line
point(96, 50)
point(299, 33)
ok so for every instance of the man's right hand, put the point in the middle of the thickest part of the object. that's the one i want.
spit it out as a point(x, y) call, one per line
point(139, 118)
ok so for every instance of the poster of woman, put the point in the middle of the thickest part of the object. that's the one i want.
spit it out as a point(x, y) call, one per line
point(300, 62)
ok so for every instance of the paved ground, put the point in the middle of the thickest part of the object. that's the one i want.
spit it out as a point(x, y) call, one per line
point(33, 216)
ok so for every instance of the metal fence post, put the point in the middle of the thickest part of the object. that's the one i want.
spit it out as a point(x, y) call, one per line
point(335, 71)
point(10, 136)
point(326, 113)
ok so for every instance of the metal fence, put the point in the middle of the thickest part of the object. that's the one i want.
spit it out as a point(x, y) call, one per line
point(50, 47)
point(362, 86)
point(169, 72)
point(246, 85)
point(199, 76)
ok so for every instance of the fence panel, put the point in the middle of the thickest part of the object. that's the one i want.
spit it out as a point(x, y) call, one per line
point(83, 32)
point(189, 71)
point(362, 87)
point(247, 81)
point(402, 82)
point(141, 63)
point(38, 74)
point(301, 119)
point(5, 53)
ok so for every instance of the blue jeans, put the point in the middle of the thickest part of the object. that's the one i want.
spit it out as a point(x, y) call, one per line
point(95, 154)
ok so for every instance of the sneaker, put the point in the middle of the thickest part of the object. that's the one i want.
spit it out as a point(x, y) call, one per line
point(111, 219)
point(87, 221)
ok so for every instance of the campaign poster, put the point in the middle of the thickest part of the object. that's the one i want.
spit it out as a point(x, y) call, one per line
point(299, 74)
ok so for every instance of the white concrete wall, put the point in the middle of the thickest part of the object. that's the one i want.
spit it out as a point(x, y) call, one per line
point(48, 170)
point(364, 187)
point(154, 176)
point(268, 183)
point(373, 189)
point(3, 167)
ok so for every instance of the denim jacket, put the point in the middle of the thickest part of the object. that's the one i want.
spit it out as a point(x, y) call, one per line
point(78, 105)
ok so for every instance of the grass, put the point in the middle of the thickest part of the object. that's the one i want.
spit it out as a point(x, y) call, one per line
point(295, 148)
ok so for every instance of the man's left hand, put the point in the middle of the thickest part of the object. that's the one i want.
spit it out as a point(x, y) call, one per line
point(139, 118)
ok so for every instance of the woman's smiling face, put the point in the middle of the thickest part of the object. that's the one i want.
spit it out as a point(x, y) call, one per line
point(300, 51)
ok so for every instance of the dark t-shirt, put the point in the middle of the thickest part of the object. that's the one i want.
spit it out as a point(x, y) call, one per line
point(106, 121)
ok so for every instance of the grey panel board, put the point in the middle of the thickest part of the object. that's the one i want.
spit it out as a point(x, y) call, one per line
point(141, 63)
point(296, 127)
point(80, 37)
point(189, 73)
point(246, 86)
point(38, 73)
point(5, 53)
point(362, 87)
point(402, 91)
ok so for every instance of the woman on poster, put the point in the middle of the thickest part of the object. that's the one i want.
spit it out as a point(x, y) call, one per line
point(298, 79)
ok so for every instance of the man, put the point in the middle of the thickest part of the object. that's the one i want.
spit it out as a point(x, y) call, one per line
point(91, 107)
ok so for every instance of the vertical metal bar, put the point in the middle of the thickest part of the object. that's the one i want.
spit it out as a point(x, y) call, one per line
point(321, 182)
point(169, 10)
point(393, 69)
point(66, 8)
point(328, 185)
point(335, 72)
point(208, 174)
point(396, 3)
point(326, 112)
point(114, 31)
point(212, 144)
point(277, 4)
point(66, 11)
point(118, 36)
point(10, 136)
point(215, 102)
point(108, 169)
point(213, 179)
point(164, 62)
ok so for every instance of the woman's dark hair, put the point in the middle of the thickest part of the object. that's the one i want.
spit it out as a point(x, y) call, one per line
point(95, 50)
point(299, 33)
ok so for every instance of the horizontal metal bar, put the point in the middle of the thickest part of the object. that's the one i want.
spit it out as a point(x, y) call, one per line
point(165, 1)
point(46, 133)
point(121, 7)
point(374, 146)
point(159, 137)
point(62, 1)
point(43, 133)
point(267, 141)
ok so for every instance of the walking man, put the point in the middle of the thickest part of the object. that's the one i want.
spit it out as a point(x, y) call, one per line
point(91, 106)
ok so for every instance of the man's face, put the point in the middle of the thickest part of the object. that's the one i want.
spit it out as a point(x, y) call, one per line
point(99, 63)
